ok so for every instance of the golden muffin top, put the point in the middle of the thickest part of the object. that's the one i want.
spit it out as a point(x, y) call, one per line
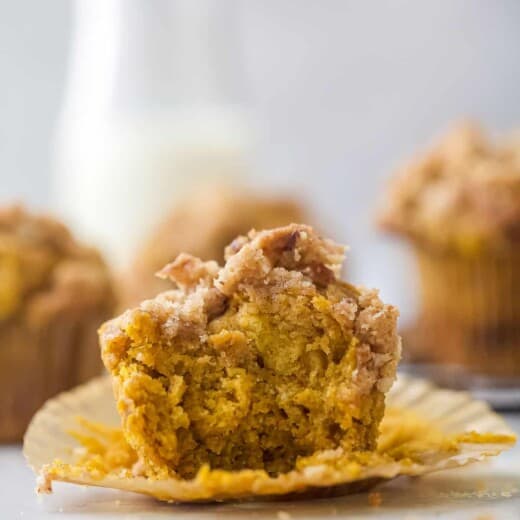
point(464, 193)
point(253, 365)
point(44, 270)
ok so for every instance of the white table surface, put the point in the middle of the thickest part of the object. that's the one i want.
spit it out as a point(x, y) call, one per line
point(486, 491)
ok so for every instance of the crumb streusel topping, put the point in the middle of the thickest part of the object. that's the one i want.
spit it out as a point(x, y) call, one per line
point(464, 193)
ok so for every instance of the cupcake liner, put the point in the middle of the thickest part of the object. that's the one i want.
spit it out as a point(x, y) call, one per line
point(452, 412)
point(47, 359)
point(470, 313)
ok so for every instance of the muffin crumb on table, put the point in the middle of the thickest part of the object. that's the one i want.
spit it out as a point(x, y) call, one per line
point(375, 499)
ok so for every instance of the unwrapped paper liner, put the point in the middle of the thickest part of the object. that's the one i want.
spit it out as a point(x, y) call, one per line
point(425, 429)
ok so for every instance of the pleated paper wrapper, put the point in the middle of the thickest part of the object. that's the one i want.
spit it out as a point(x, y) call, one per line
point(453, 413)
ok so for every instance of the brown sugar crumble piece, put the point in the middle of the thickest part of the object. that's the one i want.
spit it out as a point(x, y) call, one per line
point(254, 364)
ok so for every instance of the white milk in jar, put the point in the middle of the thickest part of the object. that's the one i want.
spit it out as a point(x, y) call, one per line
point(151, 110)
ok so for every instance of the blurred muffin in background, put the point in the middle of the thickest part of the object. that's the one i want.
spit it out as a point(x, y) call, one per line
point(54, 293)
point(459, 206)
point(203, 225)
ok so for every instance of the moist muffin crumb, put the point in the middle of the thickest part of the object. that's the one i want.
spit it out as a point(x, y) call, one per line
point(256, 364)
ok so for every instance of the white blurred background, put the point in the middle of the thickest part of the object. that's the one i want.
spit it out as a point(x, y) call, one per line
point(342, 92)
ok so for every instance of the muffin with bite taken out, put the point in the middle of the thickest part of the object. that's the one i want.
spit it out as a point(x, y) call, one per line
point(255, 364)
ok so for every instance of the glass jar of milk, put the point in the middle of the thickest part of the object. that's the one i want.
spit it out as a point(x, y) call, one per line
point(153, 107)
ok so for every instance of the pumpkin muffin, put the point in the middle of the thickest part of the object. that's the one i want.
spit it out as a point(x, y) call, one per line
point(459, 206)
point(203, 225)
point(54, 293)
point(256, 364)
